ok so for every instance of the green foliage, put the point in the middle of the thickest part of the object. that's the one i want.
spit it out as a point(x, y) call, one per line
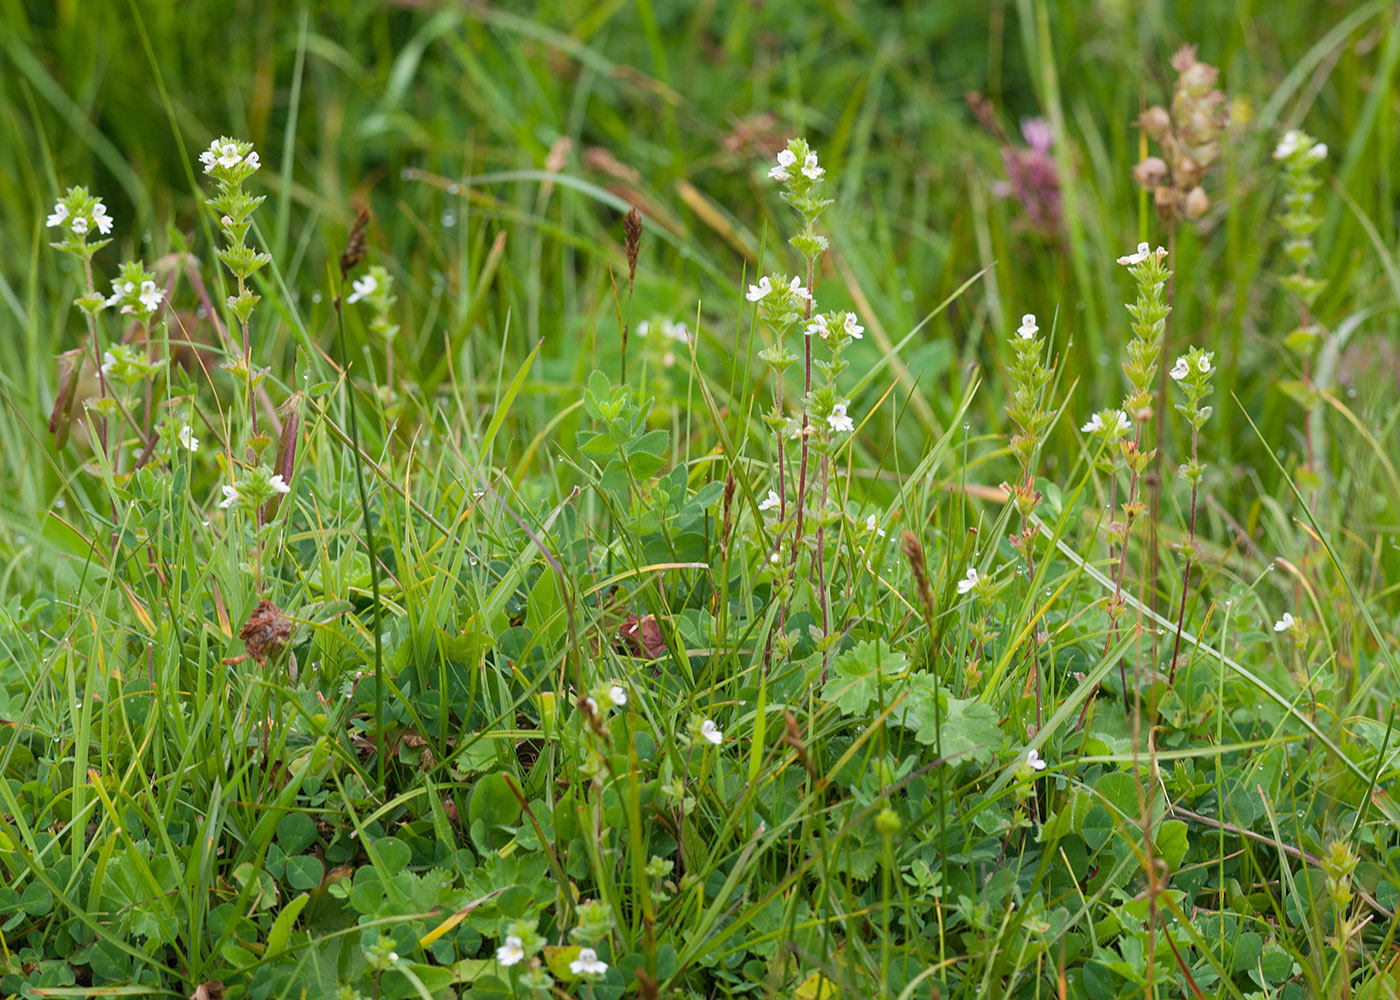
point(379, 632)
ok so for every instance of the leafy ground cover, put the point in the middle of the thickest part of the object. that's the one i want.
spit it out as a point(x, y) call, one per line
point(661, 500)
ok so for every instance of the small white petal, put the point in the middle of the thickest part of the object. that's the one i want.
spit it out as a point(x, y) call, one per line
point(771, 501)
point(839, 421)
point(617, 695)
point(510, 952)
point(588, 964)
point(711, 732)
point(759, 290)
point(786, 158)
point(362, 287)
point(278, 484)
point(968, 582)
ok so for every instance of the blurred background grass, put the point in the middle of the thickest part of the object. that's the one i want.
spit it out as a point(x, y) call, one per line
point(447, 116)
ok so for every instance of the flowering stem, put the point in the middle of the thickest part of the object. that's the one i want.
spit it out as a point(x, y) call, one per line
point(1185, 578)
point(806, 391)
point(1154, 482)
point(1122, 567)
point(96, 355)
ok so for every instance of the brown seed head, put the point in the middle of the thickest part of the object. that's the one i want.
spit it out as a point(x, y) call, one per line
point(918, 567)
point(632, 241)
point(355, 242)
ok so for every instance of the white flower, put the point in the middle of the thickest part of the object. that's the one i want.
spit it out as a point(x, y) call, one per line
point(109, 361)
point(779, 174)
point(853, 329)
point(872, 523)
point(759, 290)
point(643, 328)
point(1121, 424)
point(617, 695)
point(588, 964)
point(80, 224)
point(1144, 251)
point(786, 158)
point(818, 326)
point(1291, 142)
point(711, 732)
point(838, 421)
point(363, 287)
point(591, 705)
point(252, 160)
point(102, 219)
point(510, 952)
point(795, 286)
point(230, 496)
point(1033, 761)
point(1285, 623)
point(151, 296)
point(1203, 364)
point(1028, 328)
point(1318, 153)
point(187, 438)
point(279, 484)
point(120, 290)
point(675, 331)
point(1181, 369)
point(1093, 425)
point(393, 956)
point(60, 212)
point(810, 168)
point(771, 501)
point(227, 155)
point(969, 581)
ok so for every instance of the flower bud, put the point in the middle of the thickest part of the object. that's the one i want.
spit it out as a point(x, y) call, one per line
point(1188, 173)
point(1151, 173)
point(1164, 200)
point(1155, 121)
point(1197, 202)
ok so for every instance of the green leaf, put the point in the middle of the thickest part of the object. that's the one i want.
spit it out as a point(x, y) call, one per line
point(1097, 827)
point(963, 729)
point(857, 676)
point(281, 932)
point(304, 871)
point(295, 832)
point(1172, 842)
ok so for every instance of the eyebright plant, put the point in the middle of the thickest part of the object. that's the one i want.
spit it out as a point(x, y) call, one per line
point(1192, 373)
point(1149, 312)
point(787, 307)
point(231, 163)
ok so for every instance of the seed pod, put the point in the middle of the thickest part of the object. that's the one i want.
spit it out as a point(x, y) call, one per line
point(1151, 173)
point(1155, 121)
point(1197, 202)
